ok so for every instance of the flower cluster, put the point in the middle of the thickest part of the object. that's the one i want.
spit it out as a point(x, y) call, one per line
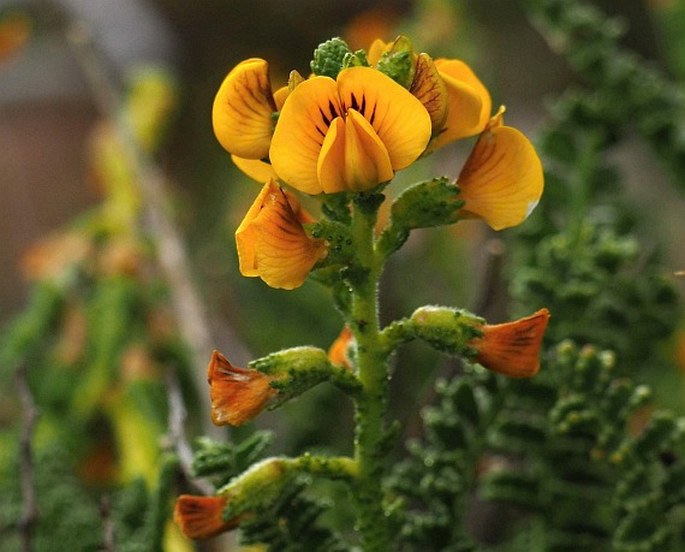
point(341, 135)
point(349, 127)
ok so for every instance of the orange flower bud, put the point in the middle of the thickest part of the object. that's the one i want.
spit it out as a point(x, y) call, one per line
point(513, 348)
point(337, 353)
point(201, 517)
point(237, 394)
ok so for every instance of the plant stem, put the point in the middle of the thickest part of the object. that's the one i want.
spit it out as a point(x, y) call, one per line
point(372, 370)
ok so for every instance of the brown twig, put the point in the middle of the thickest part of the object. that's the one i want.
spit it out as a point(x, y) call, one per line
point(29, 513)
point(109, 539)
point(177, 417)
point(491, 291)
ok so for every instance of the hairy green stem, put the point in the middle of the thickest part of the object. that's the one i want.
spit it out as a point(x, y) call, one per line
point(372, 367)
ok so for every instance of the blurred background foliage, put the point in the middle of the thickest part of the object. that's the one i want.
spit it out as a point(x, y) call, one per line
point(89, 319)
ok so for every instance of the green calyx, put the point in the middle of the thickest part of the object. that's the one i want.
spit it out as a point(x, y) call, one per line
point(447, 329)
point(298, 369)
point(432, 203)
point(398, 62)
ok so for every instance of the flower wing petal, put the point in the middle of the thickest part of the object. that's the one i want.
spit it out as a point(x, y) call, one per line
point(256, 169)
point(245, 237)
point(399, 119)
point(302, 125)
point(242, 114)
point(469, 102)
point(353, 156)
point(284, 253)
point(502, 180)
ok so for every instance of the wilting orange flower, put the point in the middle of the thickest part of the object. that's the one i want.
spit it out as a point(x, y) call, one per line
point(513, 348)
point(201, 517)
point(502, 180)
point(337, 353)
point(348, 134)
point(237, 394)
point(272, 242)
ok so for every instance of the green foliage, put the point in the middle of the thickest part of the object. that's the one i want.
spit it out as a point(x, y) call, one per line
point(68, 514)
point(291, 522)
point(223, 461)
point(438, 477)
point(580, 255)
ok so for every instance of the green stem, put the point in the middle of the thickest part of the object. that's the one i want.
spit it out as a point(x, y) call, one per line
point(372, 367)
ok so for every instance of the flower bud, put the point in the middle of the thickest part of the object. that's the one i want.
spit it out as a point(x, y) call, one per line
point(329, 56)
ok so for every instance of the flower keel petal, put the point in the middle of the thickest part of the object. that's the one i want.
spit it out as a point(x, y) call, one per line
point(352, 156)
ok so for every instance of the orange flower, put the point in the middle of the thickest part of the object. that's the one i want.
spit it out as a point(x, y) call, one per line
point(502, 180)
point(237, 394)
point(272, 242)
point(513, 348)
point(201, 517)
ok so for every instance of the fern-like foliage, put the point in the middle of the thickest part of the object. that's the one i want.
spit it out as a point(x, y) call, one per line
point(575, 457)
point(435, 483)
point(292, 520)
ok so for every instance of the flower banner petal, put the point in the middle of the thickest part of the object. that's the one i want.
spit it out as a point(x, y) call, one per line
point(302, 126)
point(242, 114)
point(502, 180)
point(399, 119)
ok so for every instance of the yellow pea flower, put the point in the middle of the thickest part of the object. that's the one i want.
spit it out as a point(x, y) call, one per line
point(513, 348)
point(272, 242)
point(348, 134)
point(502, 180)
point(237, 394)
